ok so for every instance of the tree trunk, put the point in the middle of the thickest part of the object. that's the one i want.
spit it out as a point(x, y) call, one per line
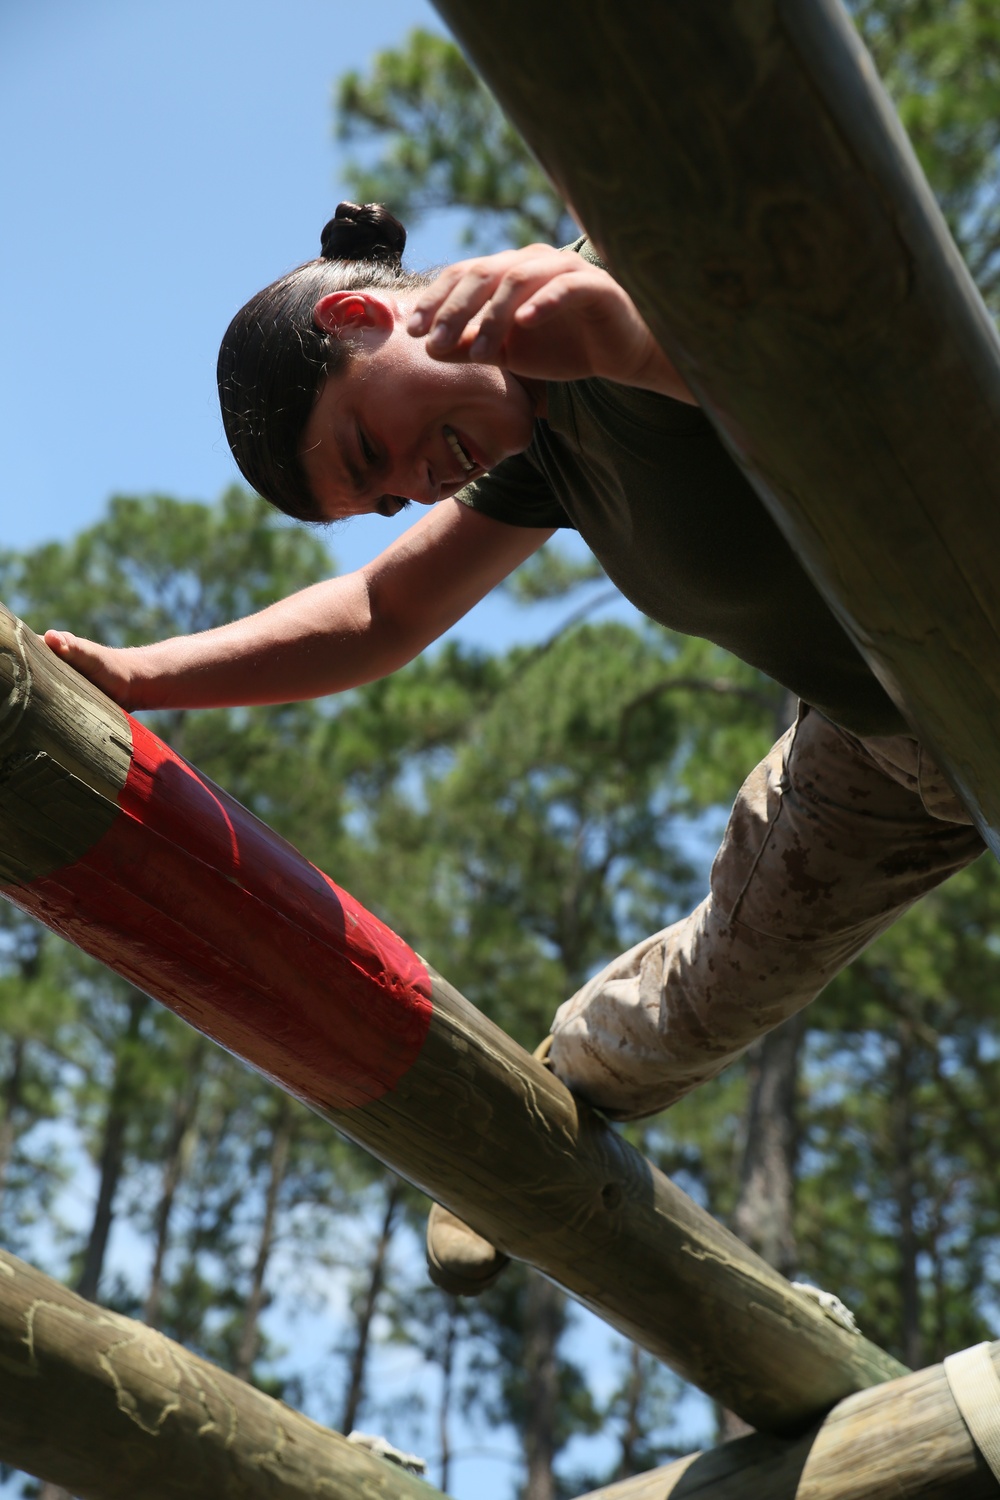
point(281, 1143)
point(905, 1192)
point(29, 964)
point(632, 1427)
point(366, 1310)
point(180, 1149)
point(765, 1210)
point(444, 1409)
point(11, 1104)
point(544, 1304)
point(112, 1152)
point(764, 1217)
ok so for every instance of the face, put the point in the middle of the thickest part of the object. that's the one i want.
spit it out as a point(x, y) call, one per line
point(396, 425)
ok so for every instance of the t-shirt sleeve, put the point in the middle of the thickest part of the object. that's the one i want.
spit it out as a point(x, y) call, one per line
point(517, 493)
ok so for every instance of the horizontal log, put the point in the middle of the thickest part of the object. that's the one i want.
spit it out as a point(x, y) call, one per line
point(112, 1410)
point(126, 850)
point(744, 174)
point(902, 1441)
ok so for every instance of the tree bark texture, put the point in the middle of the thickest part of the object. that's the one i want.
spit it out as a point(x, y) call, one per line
point(120, 846)
point(111, 1410)
point(743, 173)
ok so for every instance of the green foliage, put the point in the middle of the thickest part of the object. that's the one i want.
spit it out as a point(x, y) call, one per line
point(444, 143)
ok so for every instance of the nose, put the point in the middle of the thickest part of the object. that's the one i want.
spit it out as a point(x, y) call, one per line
point(418, 483)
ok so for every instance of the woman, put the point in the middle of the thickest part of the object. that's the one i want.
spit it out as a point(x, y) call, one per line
point(514, 394)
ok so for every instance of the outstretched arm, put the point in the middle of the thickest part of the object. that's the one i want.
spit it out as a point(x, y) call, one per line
point(329, 637)
point(542, 314)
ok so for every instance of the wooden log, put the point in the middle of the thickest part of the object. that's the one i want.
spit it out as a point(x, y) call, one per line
point(902, 1441)
point(740, 168)
point(112, 1410)
point(122, 847)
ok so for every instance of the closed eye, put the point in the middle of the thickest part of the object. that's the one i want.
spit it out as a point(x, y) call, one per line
point(367, 451)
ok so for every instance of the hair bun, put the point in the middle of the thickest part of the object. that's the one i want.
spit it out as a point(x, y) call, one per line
point(363, 231)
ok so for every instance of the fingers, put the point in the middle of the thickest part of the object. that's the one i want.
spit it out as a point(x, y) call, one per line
point(59, 641)
point(90, 660)
point(469, 310)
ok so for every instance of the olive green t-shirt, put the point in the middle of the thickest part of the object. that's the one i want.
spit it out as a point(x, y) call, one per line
point(678, 528)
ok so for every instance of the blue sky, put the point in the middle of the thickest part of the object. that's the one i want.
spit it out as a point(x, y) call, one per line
point(159, 164)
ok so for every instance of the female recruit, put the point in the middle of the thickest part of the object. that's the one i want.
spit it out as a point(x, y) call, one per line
point(512, 395)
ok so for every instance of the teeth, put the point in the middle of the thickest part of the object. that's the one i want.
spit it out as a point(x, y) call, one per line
point(459, 451)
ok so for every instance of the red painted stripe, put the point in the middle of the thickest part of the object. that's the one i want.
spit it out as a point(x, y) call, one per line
point(195, 901)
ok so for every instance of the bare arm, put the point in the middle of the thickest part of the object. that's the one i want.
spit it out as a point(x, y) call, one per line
point(326, 638)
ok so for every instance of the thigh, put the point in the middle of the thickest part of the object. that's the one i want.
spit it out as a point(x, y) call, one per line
point(823, 847)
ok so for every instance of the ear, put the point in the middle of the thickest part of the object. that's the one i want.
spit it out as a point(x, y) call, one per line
point(342, 313)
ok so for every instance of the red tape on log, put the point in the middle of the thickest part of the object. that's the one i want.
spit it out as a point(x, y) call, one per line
point(195, 901)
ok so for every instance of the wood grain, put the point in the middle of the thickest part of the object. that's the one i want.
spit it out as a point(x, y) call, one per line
point(112, 1410)
point(902, 1441)
point(744, 174)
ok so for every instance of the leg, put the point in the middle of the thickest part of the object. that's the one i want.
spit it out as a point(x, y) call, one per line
point(827, 844)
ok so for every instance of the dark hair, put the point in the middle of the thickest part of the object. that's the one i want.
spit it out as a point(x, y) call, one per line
point(273, 356)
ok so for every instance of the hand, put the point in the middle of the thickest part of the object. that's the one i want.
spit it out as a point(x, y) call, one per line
point(542, 314)
point(106, 666)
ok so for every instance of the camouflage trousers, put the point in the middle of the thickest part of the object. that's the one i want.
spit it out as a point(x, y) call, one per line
point(831, 838)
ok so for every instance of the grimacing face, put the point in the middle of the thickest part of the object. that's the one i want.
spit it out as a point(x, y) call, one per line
point(396, 425)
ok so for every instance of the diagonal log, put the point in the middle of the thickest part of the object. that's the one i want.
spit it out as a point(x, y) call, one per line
point(113, 1410)
point(741, 170)
point(122, 847)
